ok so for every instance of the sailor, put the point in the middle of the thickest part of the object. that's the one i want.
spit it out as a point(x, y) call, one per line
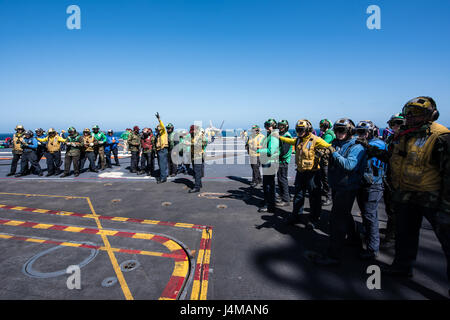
point(134, 144)
point(148, 150)
point(252, 145)
point(419, 161)
point(371, 190)
point(285, 159)
point(173, 154)
point(197, 143)
point(99, 148)
point(112, 146)
point(162, 147)
point(73, 151)
point(29, 147)
point(395, 123)
point(87, 151)
point(53, 143)
point(327, 134)
point(40, 134)
point(345, 176)
point(309, 148)
point(269, 157)
point(17, 150)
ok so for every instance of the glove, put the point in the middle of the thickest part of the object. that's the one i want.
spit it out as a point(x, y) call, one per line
point(91, 144)
point(157, 115)
point(331, 149)
point(362, 142)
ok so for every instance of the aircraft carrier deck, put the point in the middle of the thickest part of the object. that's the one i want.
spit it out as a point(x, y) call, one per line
point(135, 239)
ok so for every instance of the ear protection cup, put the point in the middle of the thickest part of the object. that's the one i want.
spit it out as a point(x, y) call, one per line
point(310, 128)
point(434, 115)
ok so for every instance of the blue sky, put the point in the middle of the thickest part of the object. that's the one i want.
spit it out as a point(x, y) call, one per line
point(242, 61)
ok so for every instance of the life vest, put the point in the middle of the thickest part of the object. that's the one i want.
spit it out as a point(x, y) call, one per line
point(147, 143)
point(17, 146)
point(254, 143)
point(410, 163)
point(87, 140)
point(197, 147)
point(305, 153)
point(53, 144)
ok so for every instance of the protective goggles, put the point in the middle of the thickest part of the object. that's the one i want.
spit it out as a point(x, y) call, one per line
point(340, 130)
point(414, 111)
point(398, 122)
point(361, 132)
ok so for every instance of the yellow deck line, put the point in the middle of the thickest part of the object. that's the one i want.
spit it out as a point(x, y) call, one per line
point(200, 288)
point(75, 244)
point(123, 284)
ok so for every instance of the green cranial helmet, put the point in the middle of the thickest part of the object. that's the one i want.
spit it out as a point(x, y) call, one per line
point(71, 130)
point(325, 123)
point(270, 123)
point(169, 126)
point(284, 123)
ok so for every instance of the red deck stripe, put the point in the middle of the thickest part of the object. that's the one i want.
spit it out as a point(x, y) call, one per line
point(89, 231)
point(166, 223)
point(173, 288)
point(55, 227)
point(27, 209)
point(197, 271)
point(52, 242)
point(159, 239)
point(125, 234)
point(29, 224)
point(19, 238)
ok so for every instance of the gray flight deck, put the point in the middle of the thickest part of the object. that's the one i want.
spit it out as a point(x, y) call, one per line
point(231, 251)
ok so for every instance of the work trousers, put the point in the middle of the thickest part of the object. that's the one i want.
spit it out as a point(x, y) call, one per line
point(89, 155)
point(162, 163)
point(115, 152)
point(147, 162)
point(134, 161)
point(53, 162)
point(342, 223)
point(368, 198)
point(29, 157)
point(308, 181)
point(198, 174)
point(255, 163)
point(269, 191)
point(15, 161)
point(409, 220)
point(68, 160)
point(100, 153)
point(283, 184)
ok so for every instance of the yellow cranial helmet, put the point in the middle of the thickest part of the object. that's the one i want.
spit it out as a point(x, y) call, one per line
point(304, 125)
point(421, 106)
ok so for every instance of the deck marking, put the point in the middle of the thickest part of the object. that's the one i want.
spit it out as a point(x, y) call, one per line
point(123, 284)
